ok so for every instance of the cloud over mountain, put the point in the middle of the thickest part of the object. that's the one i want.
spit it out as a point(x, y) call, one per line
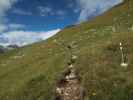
point(91, 8)
point(13, 33)
point(22, 38)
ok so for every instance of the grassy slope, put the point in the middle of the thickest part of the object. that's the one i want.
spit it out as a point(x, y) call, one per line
point(29, 73)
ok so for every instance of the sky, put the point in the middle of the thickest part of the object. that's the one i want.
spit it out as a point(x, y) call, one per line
point(24, 22)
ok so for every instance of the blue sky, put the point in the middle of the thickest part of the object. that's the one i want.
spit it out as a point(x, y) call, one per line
point(43, 14)
point(26, 21)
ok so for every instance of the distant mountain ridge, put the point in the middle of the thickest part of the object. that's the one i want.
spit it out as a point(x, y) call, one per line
point(4, 49)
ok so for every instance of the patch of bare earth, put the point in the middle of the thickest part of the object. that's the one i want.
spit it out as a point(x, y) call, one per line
point(69, 88)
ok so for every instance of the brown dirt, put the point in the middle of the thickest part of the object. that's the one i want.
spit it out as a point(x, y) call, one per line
point(70, 88)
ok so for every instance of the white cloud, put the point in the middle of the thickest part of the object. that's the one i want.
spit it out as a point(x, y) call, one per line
point(14, 26)
point(21, 12)
point(11, 26)
point(2, 27)
point(70, 5)
point(91, 7)
point(5, 5)
point(76, 10)
point(22, 38)
point(44, 11)
point(60, 12)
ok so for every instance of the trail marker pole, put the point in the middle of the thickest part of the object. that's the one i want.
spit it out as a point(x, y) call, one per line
point(123, 59)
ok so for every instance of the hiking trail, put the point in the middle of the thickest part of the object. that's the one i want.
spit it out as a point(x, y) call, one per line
point(69, 86)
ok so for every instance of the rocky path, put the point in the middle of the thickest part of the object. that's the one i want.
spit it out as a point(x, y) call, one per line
point(69, 87)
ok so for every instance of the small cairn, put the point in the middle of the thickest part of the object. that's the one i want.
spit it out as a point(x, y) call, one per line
point(123, 57)
point(71, 67)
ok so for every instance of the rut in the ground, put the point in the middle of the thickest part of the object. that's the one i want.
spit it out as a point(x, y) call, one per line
point(69, 87)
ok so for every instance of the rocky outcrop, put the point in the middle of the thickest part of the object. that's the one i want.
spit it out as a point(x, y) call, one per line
point(2, 49)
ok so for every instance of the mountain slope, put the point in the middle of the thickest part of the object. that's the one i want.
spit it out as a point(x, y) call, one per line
point(30, 73)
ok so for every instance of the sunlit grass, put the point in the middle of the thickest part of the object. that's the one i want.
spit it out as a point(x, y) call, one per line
point(32, 75)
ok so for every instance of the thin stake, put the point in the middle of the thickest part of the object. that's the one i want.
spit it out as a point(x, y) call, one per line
point(122, 53)
point(123, 58)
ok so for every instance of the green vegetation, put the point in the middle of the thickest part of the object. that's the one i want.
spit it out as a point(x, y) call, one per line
point(30, 73)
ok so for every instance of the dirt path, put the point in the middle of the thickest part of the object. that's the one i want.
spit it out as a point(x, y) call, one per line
point(69, 87)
